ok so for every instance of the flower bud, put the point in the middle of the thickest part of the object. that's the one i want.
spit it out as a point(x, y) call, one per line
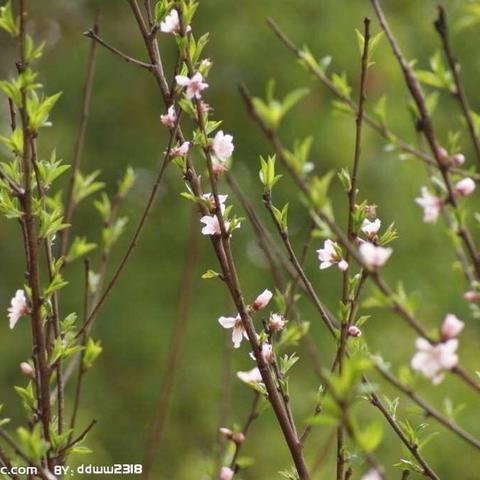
point(458, 159)
point(27, 370)
point(342, 265)
point(451, 326)
point(226, 473)
point(472, 296)
point(443, 154)
point(354, 331)
point(465, 187)
point(262, 300)
point(276, 322)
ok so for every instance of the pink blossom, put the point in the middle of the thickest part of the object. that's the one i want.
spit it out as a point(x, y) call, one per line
point(18, 308)
point(328, 256)
point(267, 353)
point(171, 23)
point(431, 205)
point(371, 228)
point(465, 187)
point(472, 296)
point(226, 473)
point(354, 331)
point(210, 198)
point(451, 326)
point(373, 256)
point(27, 370)
point(180, 150)
point(238, 332)
point(168, 119)
point(458, 159)
point(276, 322)
point(262, 300)
point(194, 85)
point(433, 359)
point(222, 146)
point(251, 376)
point(212, 225)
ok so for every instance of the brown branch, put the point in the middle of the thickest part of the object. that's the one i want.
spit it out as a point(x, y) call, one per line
point(441, 26)
point(39, 346)
point(429, 410)
point(93, 35)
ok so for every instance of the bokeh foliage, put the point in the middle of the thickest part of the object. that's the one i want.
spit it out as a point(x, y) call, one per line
point(136, 323)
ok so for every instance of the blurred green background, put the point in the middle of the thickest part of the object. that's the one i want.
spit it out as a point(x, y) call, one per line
point(136, 323)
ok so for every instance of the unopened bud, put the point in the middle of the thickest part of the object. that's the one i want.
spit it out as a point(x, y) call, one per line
point(27, 370)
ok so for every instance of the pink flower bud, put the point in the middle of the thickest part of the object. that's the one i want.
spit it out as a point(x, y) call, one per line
point(458, 159)
point(262, 300)
point(451, 326)
point(443, 154)
point(472, 296)
point(27, 370)
point(354, 331)
point(276, 322)
point(226, 473)
point(342, 265)
point(465, 187)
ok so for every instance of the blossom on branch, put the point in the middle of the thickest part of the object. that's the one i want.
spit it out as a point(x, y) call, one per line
point(431, 205)
point(222, 146)
point(432, 360)
point(330, 255)
point(373, 256)
point(262, 300)
point(168, 119)
point(451, 326)
point(171, 23)
point(370, 229)
point(226, 473)
point(251, 376)
point(180, 150)
point(372, 474)
point(276, 322)
point(354, 331)
point(238, 332)
point(18, 308)
point(465, 187)
point(193, 86)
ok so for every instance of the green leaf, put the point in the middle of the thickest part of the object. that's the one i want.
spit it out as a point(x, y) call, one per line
point(7, 20)
point(86, 186)
point(79, 248)
point(32, 442)
point(370, 437)
point(210, 274)
point(92, 352)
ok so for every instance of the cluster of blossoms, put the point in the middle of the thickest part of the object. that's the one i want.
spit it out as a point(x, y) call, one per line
point(372, 255)
point(434, 359)
point(432, 205)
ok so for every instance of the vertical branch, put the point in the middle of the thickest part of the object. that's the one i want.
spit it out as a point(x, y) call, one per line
point(352, 196)
point(172, 362)
point(441, 26)
point(80, 141)
point(39, 346)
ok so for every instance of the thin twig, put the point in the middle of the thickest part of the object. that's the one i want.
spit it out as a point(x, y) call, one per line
point(441, 26)
point(80, 140)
